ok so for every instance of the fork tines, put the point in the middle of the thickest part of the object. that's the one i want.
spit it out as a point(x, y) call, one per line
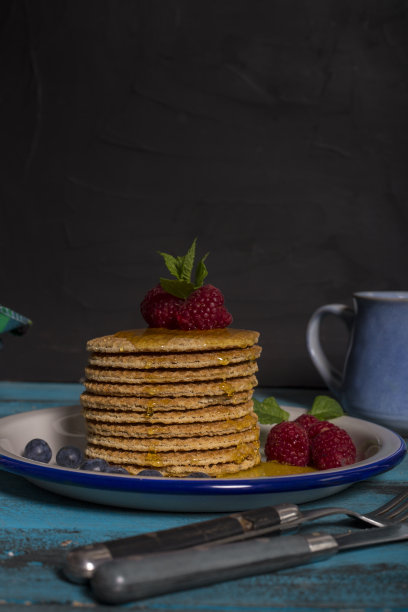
point(396, 509)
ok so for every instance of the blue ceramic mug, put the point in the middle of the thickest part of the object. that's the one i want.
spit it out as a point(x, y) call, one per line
point(374, 381)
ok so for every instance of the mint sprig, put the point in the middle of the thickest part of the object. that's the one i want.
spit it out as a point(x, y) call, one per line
point(268, 411)
point(325, 408)
point(181, 267)
point(201, 272)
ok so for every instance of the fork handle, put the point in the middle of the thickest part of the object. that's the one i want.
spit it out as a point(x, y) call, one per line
point(81, 562)
point(136, 578)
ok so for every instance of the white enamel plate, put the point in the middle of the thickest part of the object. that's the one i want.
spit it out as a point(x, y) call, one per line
point(378, 448)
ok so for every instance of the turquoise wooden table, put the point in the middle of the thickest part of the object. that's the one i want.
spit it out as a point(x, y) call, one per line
point(38, 527)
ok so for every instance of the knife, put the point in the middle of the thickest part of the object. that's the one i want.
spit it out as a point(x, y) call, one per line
point(142, 576)
point(81, 562)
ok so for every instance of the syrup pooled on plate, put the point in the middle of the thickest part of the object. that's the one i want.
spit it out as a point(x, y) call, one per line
point(270, 468)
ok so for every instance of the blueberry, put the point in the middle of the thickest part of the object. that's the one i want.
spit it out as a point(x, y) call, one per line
point(38, 450)
point(116, 469)
point(69, 456)
point(198, 475)
point(94, 465)
point(149, 472)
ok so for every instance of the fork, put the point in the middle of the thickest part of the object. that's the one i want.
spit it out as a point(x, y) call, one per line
point(81, 562)
point(290, 516)
point(394, 511)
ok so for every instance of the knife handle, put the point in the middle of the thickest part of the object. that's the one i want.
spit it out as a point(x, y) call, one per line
point(81, 562)
point(136, 578)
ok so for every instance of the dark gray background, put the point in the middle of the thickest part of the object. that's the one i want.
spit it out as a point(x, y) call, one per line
point(275, 131)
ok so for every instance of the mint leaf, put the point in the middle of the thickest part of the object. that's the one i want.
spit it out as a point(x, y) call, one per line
point(325, 408)
point(179, 288)
point(201, 272)
point(188, 263)
point(269, 411)
point(181, 267)
point(179, 263)
point(171, 263)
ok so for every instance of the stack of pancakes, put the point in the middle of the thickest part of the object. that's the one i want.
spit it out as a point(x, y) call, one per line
point(176, 401)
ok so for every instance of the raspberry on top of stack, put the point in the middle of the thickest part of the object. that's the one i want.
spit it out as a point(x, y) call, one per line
point(176, 396)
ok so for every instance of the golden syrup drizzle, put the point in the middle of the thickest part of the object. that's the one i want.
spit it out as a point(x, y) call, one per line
point(161, 337)
point(269, 468)
point(227, 388)
point(239, 424)
point(228, 424)
point(242, 451)
point(149, 411)
point(154, 459)
point(144, 337)
point(223, 360)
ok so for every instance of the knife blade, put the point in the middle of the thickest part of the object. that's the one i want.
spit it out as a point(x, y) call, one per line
point(143, 576)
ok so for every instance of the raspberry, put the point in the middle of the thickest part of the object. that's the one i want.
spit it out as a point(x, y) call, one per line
point(306, 421)
point(203, 309)
point(287, 442)
point(183, 302)
point(159, 308)
point(332, 448)
point(320, 426)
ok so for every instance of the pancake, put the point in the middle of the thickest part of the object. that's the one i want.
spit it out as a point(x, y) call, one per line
point(155, 445)
point(159, 340)
point(181, 461)
point(128, 376)
point(213, 471)
point(150, 361)
point(174, 429)
point(152, 405)
point(193, 389)
point(150, 416)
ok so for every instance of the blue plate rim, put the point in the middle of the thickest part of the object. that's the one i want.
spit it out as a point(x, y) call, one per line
point(211, 486)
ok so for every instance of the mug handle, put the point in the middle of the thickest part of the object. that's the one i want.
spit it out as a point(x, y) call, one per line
point(331, 375)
